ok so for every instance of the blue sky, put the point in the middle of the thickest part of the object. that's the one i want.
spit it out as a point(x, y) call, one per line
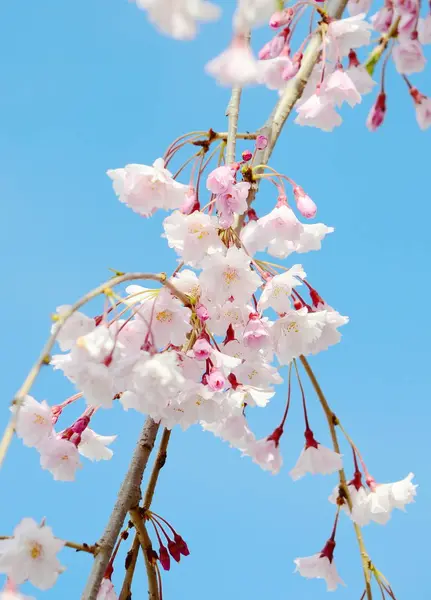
point(88, 86)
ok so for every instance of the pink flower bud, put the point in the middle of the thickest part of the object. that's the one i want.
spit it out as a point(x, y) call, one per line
point(261, 142)
point(247, 155)
point(202, 349)
point(215, 380)
point(202, 312)
point(304, 203)
point(164, 558)
point(80, 424)
point(281, 18)
point(174, 550)
point(251, 214)
point(377, 112)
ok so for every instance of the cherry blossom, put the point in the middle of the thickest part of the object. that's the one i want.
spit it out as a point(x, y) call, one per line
point(60, 457)
point(340, 88)
point(30, 555)
point(94, 446)
point(34, 421)
point(74, 327)
point(294, 333)
point(167, 319)
point(145, 189)
point(315, 459)
point(228, 276)
point(423, 112)
point(424, 30)
point(221, 180)
point(234, 66)
point(318, 112)
point(266, 454)
point(356, 7)
point(277, 291)
point(179, 18)
point(106, 591)
point(256, 333)
point(319, 566)
point(231, 202)
point(408, 57)
point(349, 33)
point(252, 13)
point(362, 80)
point(192, 236)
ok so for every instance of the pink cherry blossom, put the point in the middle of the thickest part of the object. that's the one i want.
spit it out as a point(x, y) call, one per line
point(266, 454)
point(340, 88)
point(424, 30)
point(236, 66)
point(106, 591)
point(352, 32)
point(356, 7)
point(319, 566)
point(231, 202)
point(382, 19)
point(34, 421)
point(315, 459)
point(256, 335)
point(216, 380)
point(318, 111)
point(362, 80)
point(60, 457)
point(221, 180)
point(408, 57)
point(423, 112)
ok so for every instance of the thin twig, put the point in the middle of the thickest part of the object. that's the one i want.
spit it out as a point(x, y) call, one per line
point(42, 360)
point(149, 493)
point(332, 421)
point(128, 497)
point(232, 114)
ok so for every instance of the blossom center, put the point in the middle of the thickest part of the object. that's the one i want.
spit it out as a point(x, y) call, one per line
point(230, 275)
point(39, 419)
point(164, 316)
point(198, 230)
point(35, 550)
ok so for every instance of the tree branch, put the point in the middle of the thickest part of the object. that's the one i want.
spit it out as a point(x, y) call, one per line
point(332, 420)
point(232, 114)
point(132, 556)
point(128, 497)
point(146, 545)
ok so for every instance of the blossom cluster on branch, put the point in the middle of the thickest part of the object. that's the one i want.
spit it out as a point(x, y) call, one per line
point(213, 341)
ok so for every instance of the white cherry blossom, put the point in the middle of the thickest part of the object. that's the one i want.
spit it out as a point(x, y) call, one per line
point(75, 326)
point(60, 457)
point(228, 276)
point(345, 34)
point(30, 555)
point(319, 567)
point(106, 590)
point(192, 236)
point(95, 446)
point(316, 459)
point(34, 421)
point(277, 291)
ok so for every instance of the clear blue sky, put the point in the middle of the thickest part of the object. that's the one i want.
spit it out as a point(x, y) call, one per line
point(89, 85)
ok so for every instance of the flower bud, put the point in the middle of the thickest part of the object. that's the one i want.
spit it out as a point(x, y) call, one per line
point(202, 349)
point(304, 203)
point(215, 380)
point(202, 312)
point(174, 550)
point(261, 142)
point(80, 424)
point(281, 18)
point(377, 112)
point(164, 558)
point(247, 155)
point(190, 203)
point(181, 545)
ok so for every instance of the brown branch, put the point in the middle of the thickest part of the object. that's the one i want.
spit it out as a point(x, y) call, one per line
point(147, 548)
point(149, 493)
point(332, 421)
point(128, 497)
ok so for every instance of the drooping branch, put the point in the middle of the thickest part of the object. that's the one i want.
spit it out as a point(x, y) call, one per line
point(149, 493)
point(128, 497)
point(62, 319)
point(332, 421)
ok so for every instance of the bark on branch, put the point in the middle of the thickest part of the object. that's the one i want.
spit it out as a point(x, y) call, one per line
point(128, 497)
